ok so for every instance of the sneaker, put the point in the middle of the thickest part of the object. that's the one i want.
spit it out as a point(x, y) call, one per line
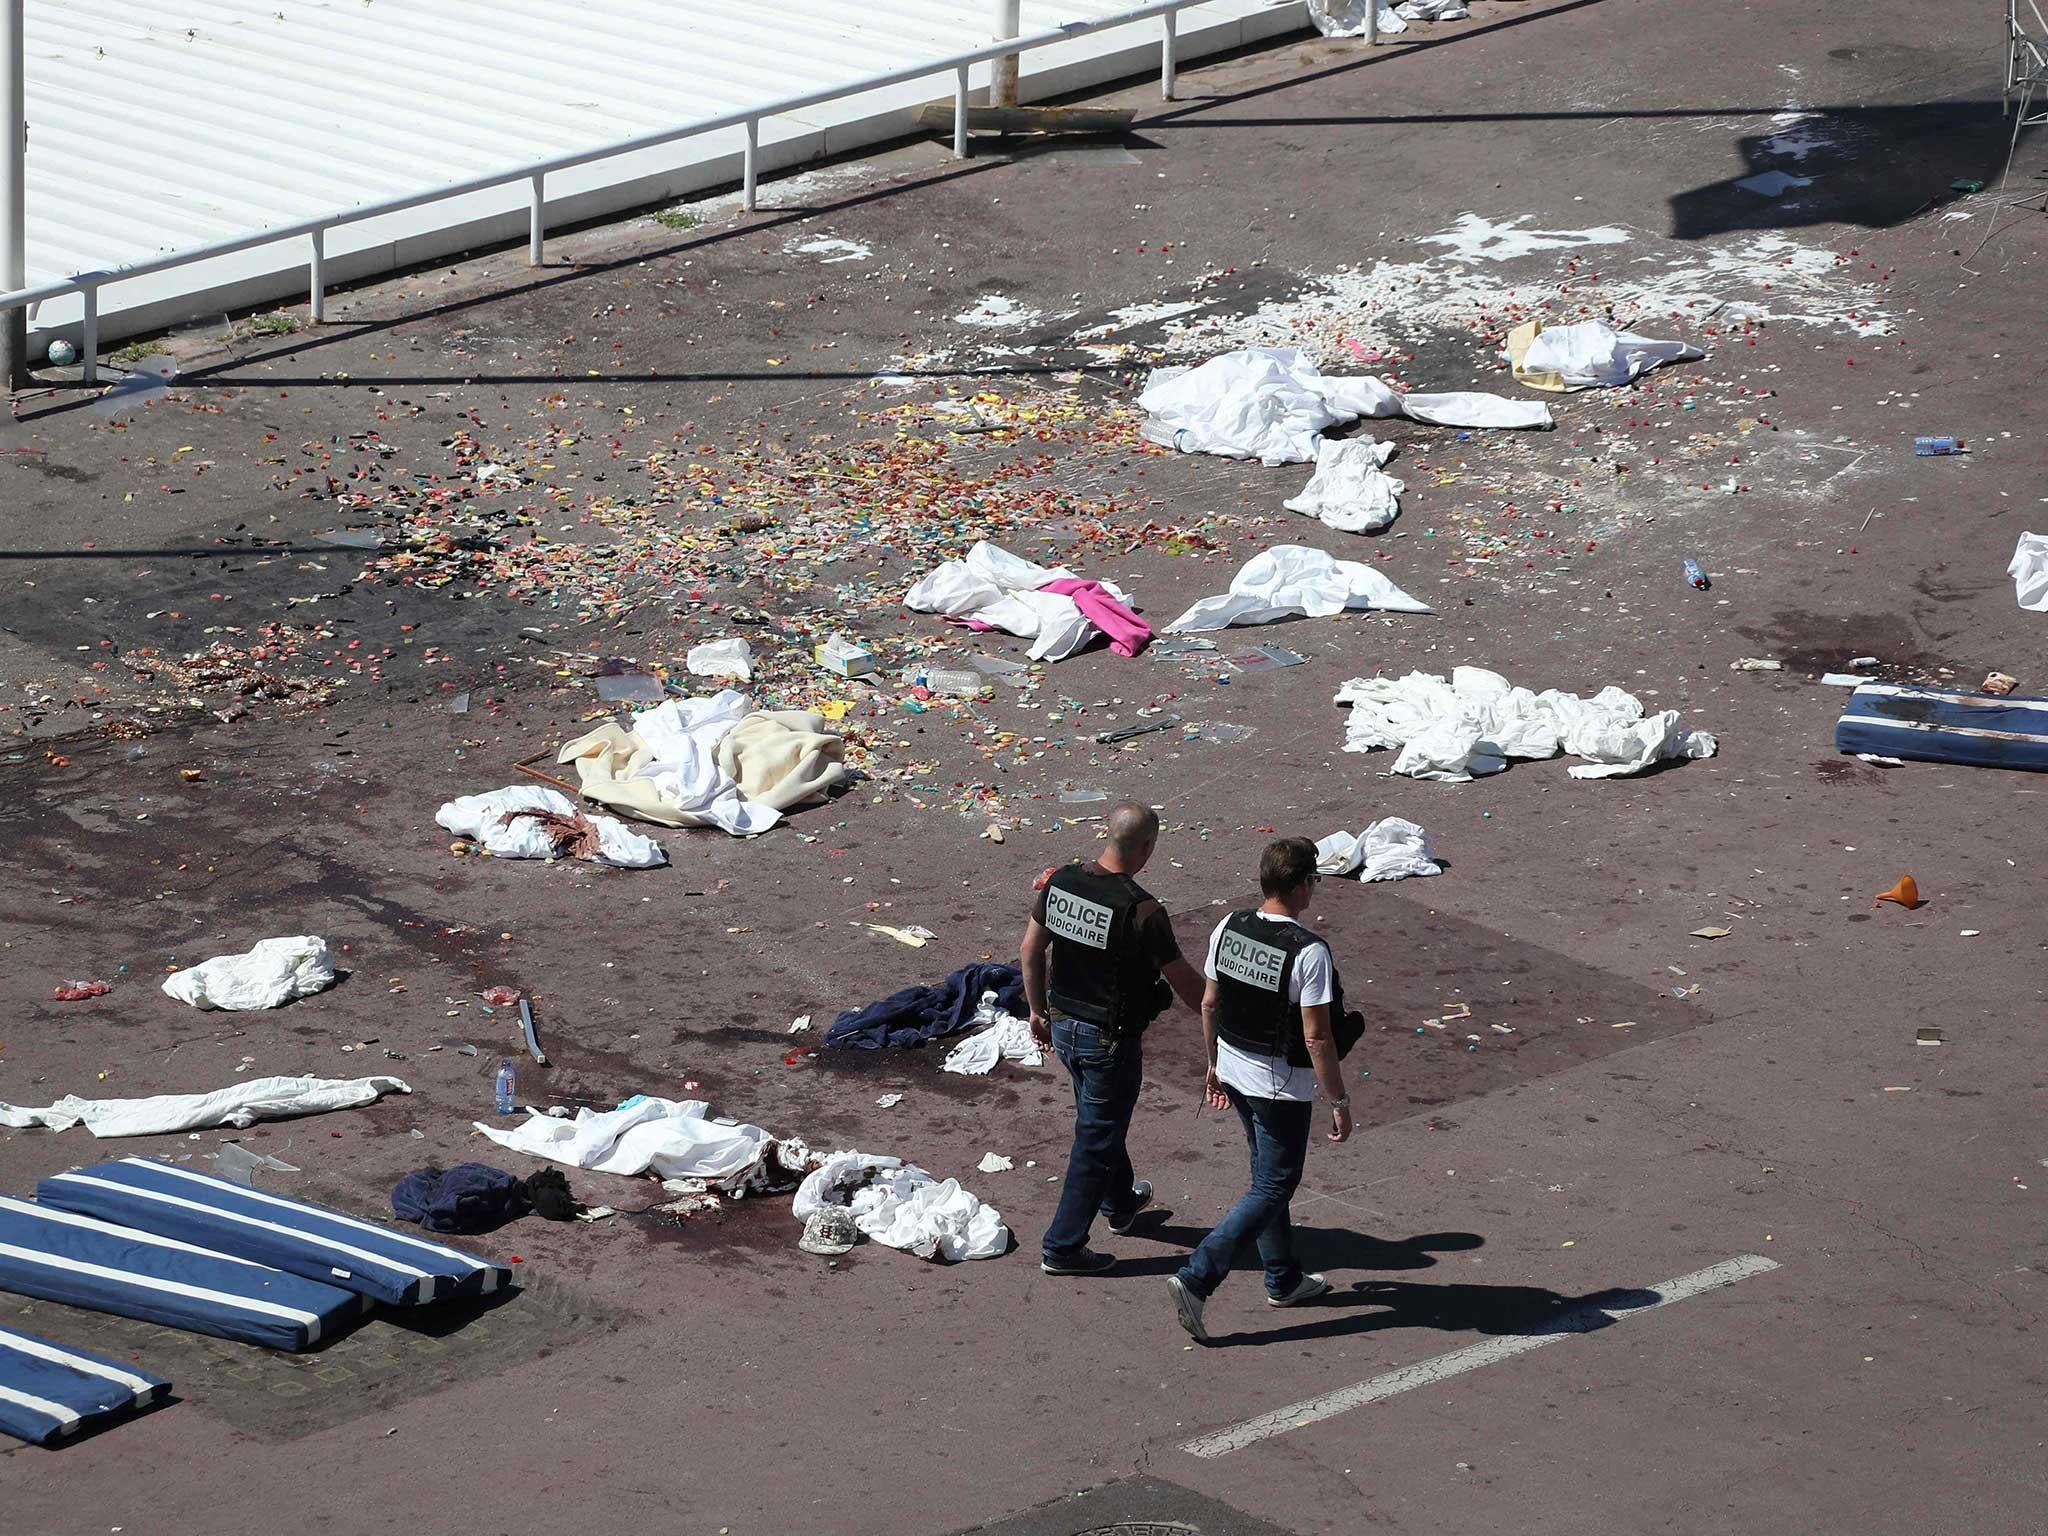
point(1189, 1306)
point(1085, 1261)
point(1142, 1191)
point(1308, 1288)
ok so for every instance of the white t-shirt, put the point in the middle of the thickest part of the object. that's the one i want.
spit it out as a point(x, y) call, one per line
point(1274, 1077)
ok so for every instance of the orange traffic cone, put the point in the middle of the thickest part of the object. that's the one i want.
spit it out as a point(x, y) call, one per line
point(1906, 893)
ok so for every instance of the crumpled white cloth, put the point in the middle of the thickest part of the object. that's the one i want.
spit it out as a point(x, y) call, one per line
point(999, 589)
point(683, 735)
point(1009, 1039)
point(1471, 725)
point(899, 1205)
point(1272, 404)
point(1389, 849)
point(1592, 353)
point(274, 972)
point(2029, 572)
point(1349, 491)
point(730, 657)
point(672, 1139)
point(487, 819)
point(239, 1104)
point(1287, 579)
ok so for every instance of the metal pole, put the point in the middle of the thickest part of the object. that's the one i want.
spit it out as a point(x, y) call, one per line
point(537, 224)
point(1372, 22)
point(316, 278)
point(1166, 50)
point(1002, 80)
point(89, 337)
point(960, 115)
point(749, 177)
point(13, 193)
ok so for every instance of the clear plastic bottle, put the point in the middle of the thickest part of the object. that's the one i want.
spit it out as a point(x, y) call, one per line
point(1938, 447)
point(505, 1087)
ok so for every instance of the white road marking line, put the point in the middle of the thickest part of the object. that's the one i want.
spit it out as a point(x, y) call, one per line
point(1471, 1358)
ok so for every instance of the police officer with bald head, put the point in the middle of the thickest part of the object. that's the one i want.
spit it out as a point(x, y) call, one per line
point(1100, 963)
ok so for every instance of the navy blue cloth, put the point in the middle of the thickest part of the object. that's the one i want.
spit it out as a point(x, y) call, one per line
point(470, 1197)
point(1107, 1071)
point(918, 1014)
point(1941, 725)
point(1277, 1132)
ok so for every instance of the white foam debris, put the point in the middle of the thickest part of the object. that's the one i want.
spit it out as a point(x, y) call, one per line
point(995, 311)
point(1472, 238)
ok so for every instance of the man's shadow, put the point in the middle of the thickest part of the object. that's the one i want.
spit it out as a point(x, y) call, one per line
point(1318, 1248)
point(1526, 1311)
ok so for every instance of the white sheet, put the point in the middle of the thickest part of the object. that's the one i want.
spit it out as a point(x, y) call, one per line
point(1593, 353)
point(275, 971)
point(241, 1104)
point(1389, 849)
point(2029, 572)
point(1291, 579)
point(669, 1138)
point(997, 588)
point(902, 1206)
point(484, 819)
point(1470, 726)
point(684, 735)
point(1009, 1039)
point(1272, 404)
point(1349, 491)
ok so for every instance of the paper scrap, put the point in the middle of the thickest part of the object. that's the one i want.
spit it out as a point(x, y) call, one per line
point(994, 1162)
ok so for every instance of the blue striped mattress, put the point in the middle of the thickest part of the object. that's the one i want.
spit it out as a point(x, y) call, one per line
point(61, 1256)
point(1979, 730)
point(290, 1235)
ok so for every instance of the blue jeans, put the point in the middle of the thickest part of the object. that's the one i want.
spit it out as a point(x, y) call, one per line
point(1107, 1073)
point(1277, 1132)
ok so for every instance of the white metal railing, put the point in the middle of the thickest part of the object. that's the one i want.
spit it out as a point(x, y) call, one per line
point(88, 284)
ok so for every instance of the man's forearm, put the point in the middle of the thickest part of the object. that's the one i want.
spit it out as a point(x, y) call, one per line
point(1033, 967)
point(1209, 1012)
point(1322, 1052)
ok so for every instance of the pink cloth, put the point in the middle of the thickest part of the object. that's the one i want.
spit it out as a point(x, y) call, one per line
point(1128, 634)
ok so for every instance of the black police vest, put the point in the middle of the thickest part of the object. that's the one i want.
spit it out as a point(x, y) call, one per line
point(1098, 970)
point(1254, 969)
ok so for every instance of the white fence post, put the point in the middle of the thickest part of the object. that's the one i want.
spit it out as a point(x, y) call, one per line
point(749, 173)
point(1002, 79)
point(89, 337)
point(13, 193)
point(316, 278)
point(537, 222)
point(1166, 52)
point(960, 115)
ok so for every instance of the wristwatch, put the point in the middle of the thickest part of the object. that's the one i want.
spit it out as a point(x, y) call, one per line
point(1343, 1103)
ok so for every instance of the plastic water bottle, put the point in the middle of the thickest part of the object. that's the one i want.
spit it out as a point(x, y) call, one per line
point(504, 1087)
point(1935, 447)
point(1695, 574)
